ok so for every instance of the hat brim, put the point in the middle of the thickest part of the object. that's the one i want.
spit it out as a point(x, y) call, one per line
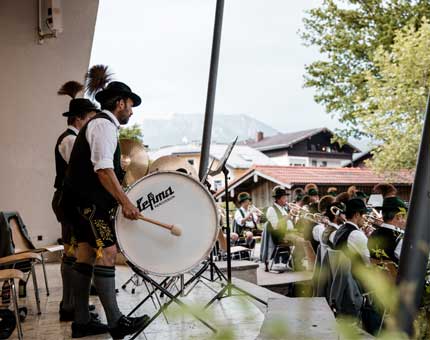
point(104, 95)
point(72, 114)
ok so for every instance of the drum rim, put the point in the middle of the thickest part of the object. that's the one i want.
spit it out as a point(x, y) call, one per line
point(197, 262)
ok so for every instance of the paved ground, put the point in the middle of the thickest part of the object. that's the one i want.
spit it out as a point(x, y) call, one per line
point(231, 314)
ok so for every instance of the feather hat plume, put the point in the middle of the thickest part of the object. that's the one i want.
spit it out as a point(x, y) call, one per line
point(385, 189)
point(97, 79)
point(71, 88)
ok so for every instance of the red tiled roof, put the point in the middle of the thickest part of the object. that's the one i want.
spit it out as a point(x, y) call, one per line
point(303, 175)
point(295, 175)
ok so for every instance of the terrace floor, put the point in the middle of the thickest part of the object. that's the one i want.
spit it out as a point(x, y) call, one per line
point(235, 314)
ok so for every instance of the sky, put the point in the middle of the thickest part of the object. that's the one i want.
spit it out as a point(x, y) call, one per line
point(162, 50)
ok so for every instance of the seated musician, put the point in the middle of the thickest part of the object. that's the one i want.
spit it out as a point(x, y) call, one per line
point(389, 235)
point(349, 237)
point(336, 218)
point(245, 220)
point(278, 229)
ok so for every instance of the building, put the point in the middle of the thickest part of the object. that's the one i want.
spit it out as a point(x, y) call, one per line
point(241, 159)
point(359, 160)
point(33, 71)
point(305, 148)
point(260, 180)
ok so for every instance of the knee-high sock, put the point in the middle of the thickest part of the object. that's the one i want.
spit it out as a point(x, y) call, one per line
point(81, 291)
point(104, 280)
point(67, 277)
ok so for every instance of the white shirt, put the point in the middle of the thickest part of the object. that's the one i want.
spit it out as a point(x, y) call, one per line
point(272, 217)
point(398, 249)
point(357, 241)
point(66, 146)
point(238, 218)
point(102, 137)
point(331, 236)
point(317, 232)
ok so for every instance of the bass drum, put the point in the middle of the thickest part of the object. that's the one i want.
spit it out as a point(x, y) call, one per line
point(172, 198)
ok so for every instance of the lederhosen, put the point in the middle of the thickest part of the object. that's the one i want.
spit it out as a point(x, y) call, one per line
point(239, 229)
point(57, 201)
point(93, 206)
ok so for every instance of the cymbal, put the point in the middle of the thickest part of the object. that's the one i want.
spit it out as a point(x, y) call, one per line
point(134, 160)
point(173, 163)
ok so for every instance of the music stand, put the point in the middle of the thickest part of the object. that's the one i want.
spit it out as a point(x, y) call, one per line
point(226, 291)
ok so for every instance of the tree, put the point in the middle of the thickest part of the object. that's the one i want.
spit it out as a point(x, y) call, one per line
point(393, 111)
point(132, 132)
point(348, 33)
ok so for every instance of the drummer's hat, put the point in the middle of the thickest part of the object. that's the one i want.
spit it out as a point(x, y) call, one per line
point(77, 106)
point(99, 84)
point(243, 196)
point(279, 191)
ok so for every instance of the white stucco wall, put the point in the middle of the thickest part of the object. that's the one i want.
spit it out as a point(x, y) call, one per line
point(30, 109)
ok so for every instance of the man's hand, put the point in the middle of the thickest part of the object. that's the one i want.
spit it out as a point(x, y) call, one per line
point(130, 211)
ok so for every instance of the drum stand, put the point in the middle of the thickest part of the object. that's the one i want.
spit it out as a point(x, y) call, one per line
point(172, 298)
point(227, 290)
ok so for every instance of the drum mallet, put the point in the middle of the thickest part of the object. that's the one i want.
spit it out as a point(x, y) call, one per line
point(174, 230)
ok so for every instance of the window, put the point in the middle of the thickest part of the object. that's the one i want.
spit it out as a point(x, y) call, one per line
point(218, 184)
point(191, 161)
point(314, 163)
point(323, 164)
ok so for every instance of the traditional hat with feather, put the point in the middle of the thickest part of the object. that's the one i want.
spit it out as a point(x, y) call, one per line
point(77, 106)
point(99, 85)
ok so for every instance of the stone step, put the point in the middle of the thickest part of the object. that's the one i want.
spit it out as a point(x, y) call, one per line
point(299, 318)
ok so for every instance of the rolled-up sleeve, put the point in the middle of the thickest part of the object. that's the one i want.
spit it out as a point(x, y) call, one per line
point(102, 137)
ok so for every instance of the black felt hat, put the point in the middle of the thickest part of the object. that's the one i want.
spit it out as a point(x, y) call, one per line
point(279, 191)
point(394, 204)
point(78, 106)
point(118, 89)
point(356, 205)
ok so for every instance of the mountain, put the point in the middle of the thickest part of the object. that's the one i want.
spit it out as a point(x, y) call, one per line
point(186, 128)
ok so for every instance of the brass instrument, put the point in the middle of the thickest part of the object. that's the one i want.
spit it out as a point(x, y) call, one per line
point(253, 209)
point(296, 210)
point(134, 160)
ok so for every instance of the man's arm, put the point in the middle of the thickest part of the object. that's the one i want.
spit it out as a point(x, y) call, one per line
point(110, 182)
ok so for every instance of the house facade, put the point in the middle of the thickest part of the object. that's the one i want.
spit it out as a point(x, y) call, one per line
point(308, 148)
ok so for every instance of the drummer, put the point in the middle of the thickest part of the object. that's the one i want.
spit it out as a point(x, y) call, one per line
point(93, 184)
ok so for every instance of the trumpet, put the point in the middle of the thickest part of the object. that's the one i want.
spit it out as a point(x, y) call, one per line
point(253, 209)
point(296, 210)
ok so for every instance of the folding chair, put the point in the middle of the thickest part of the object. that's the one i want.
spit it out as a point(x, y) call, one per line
point(282, 249)
point(23, 244)
point(32, 259)
point(10, 275)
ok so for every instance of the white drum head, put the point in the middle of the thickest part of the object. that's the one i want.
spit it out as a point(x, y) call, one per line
point(172, 198)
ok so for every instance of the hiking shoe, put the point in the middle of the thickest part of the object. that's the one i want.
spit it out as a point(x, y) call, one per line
point(128, 325)
point(91, 328)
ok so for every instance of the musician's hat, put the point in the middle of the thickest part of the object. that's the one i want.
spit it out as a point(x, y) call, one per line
point(243, 196)
point(279, 191)
point(394, 204)
point(356, 205)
